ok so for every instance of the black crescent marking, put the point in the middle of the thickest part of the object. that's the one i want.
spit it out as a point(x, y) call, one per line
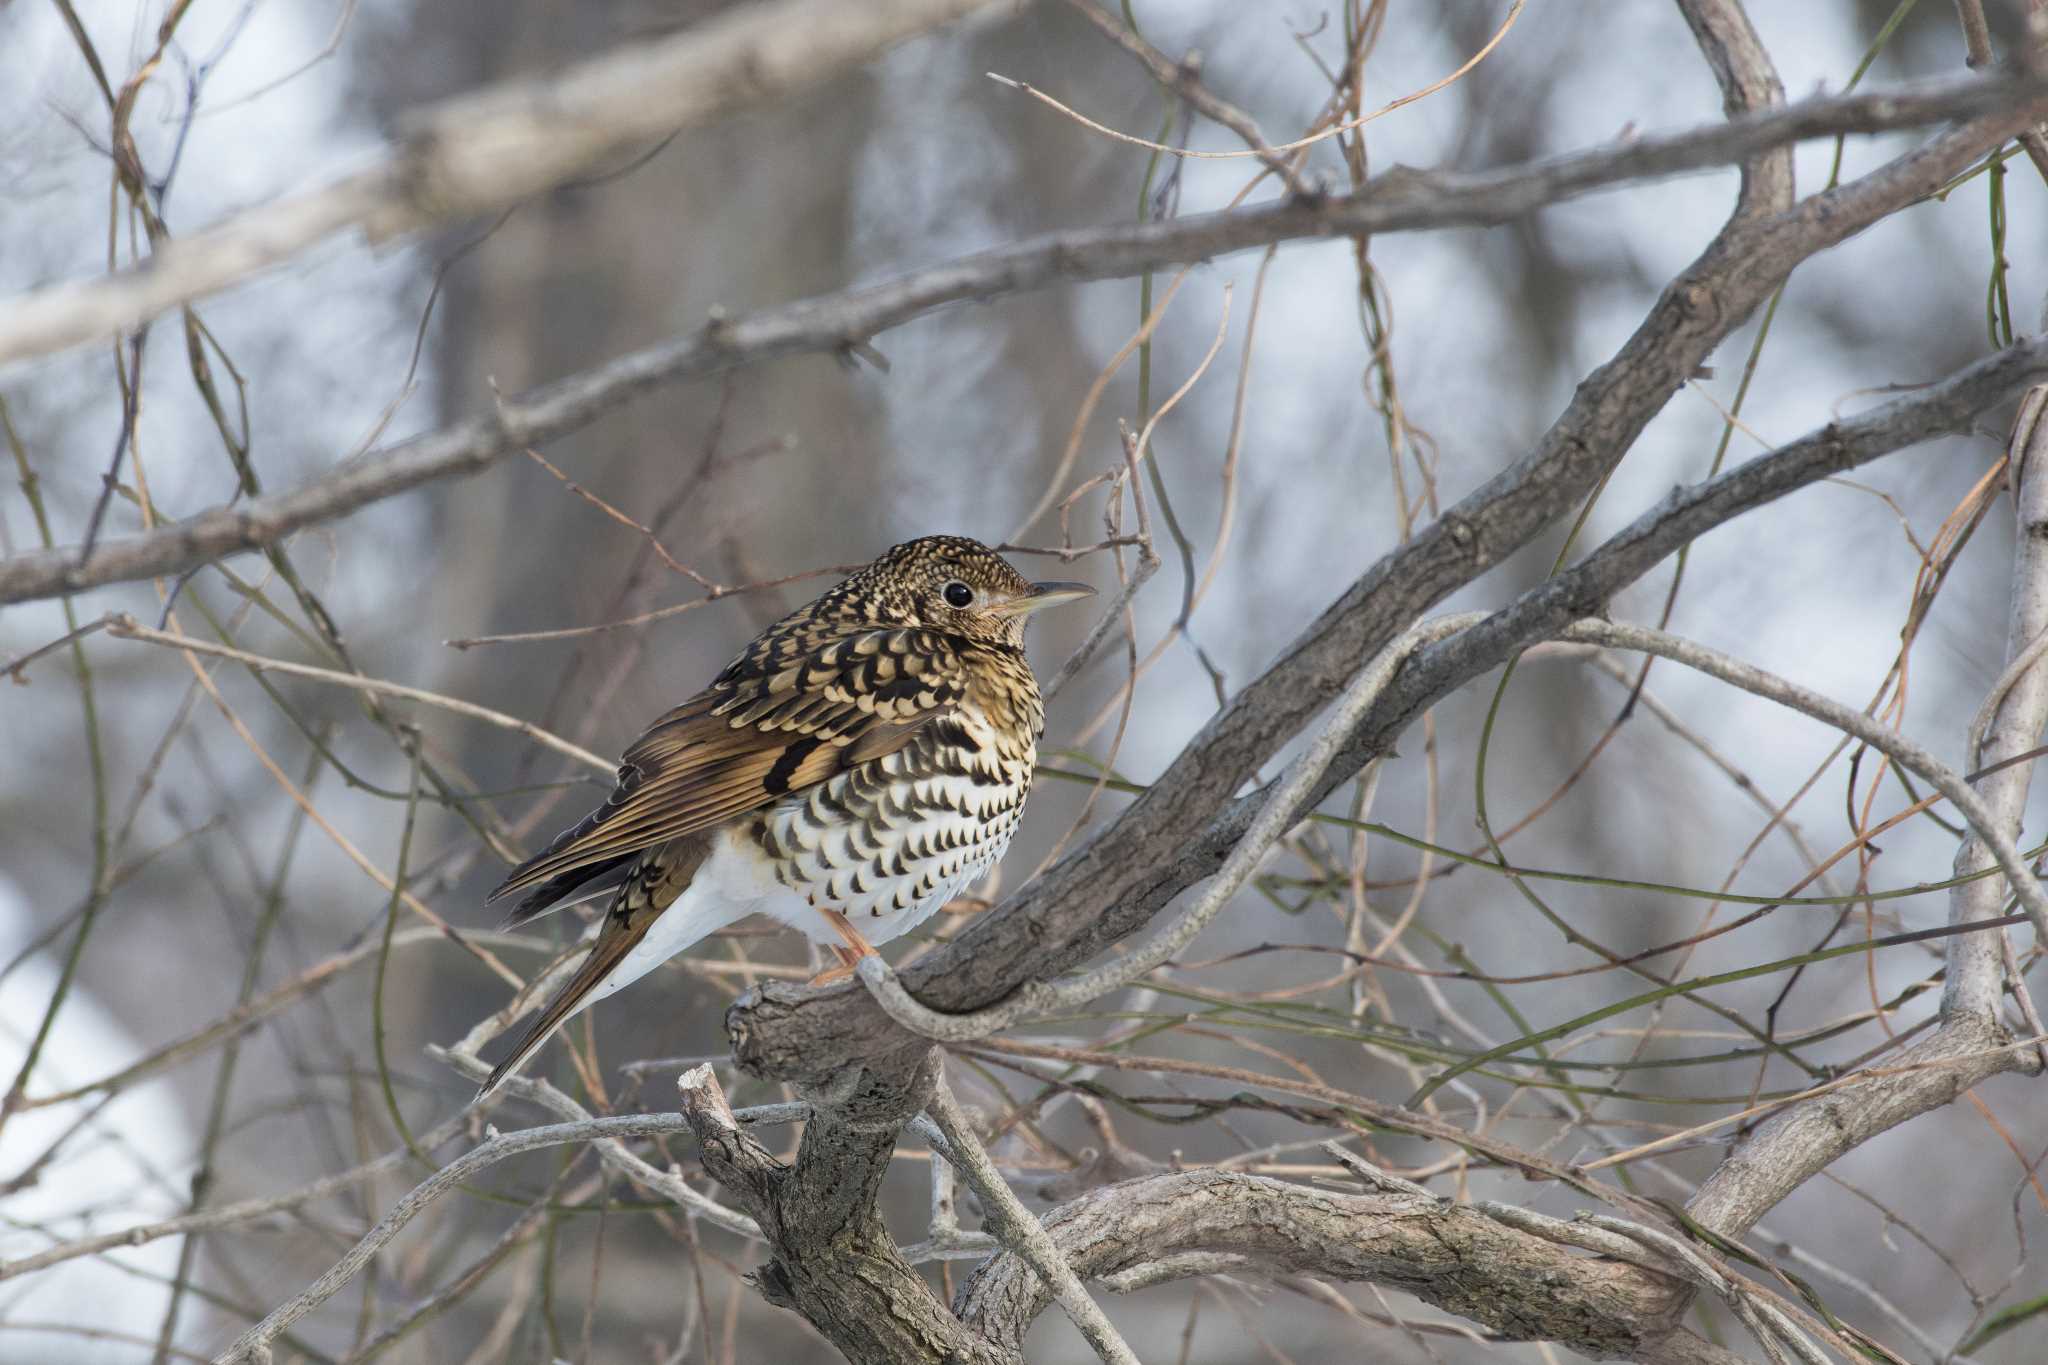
point(776, 783)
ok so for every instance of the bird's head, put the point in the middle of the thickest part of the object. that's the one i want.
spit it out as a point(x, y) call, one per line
point(956, 585)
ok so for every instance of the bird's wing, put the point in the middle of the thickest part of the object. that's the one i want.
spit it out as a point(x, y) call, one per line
point(777, 721)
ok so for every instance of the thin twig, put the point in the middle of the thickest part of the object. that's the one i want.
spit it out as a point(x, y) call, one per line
point(1019, 1229)
point(1182, 79)
point(254, 1343)
point(1265, 153)
point(2033, 899)
point(1276, 816)
point(125, 627)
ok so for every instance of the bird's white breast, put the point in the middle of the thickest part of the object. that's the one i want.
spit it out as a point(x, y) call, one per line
point(887, 844)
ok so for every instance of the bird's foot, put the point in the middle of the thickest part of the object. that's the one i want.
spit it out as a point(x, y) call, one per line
point(850, 953)
point(848, 961)
point(843, 927)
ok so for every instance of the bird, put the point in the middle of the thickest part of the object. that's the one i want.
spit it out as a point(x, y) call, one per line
point(858, 765)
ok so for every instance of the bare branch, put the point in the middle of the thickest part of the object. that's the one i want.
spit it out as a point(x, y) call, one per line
point(1182, 827)
point(125, 627)
point(1225, 114)
point(1996, 834)
point(1748, 82)
point(610, 1151)
point(1951, 405)
point(1399, 201)
point(1183, 78)
point(1451, 1255)
point(855, 1067)
point(2019, 714)
point(1280, 810)
point(1789, 1149)
point(256, 1341)
point(833, 1260)
point(1020, 1231)
point(482, 151)
point(231, 1215)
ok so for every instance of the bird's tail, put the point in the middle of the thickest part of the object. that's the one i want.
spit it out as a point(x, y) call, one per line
point(614, 941)
point(660, 910)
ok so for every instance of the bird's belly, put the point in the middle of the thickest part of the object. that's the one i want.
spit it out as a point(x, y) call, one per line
point(887, 850)
point(734, 880)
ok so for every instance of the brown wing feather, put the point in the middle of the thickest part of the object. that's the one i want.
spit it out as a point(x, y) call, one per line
point(770, 725)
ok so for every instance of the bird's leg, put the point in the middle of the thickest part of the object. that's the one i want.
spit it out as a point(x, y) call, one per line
point(843, 927)
point(850, 953)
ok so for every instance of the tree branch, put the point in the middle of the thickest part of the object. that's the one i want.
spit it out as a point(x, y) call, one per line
point(832, 1259)
point(256, 1341)
point(1178, 831)
point(122, 626)
point(1838, 1120)
point(1279, 811)
point(482, 151)
point(1022, 1232)
point(1748, 81)
point(1398, 201)
point(1183, 79)
point(1995, 831)
point(1454, 1256)
point(2017, 715)
point(243, 1211)
point(1948, 406)
point(1601, 1286)
point(612, 1152)
point(1788, 1150)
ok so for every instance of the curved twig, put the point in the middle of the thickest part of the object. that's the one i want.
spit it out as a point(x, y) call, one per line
point(1279, 813)
point(255, 1342)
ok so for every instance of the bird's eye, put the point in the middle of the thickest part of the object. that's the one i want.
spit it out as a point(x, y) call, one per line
point(959, 595)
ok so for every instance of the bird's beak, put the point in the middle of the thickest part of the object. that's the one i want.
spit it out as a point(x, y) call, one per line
point(1044, 595)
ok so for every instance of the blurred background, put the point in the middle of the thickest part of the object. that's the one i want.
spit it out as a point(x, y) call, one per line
point(215, 887)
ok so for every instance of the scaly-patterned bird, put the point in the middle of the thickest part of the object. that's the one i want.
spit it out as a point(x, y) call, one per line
point(857, 766)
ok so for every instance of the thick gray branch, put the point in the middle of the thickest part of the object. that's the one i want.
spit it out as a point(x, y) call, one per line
point(1949, 406)
point(2017, 715)
point(1748, 81)
point(1542, 612)
point(1792, 1147)
point(1401, 200)
point(1451, 1255)
point(1279, 812)
point(832, 1259)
